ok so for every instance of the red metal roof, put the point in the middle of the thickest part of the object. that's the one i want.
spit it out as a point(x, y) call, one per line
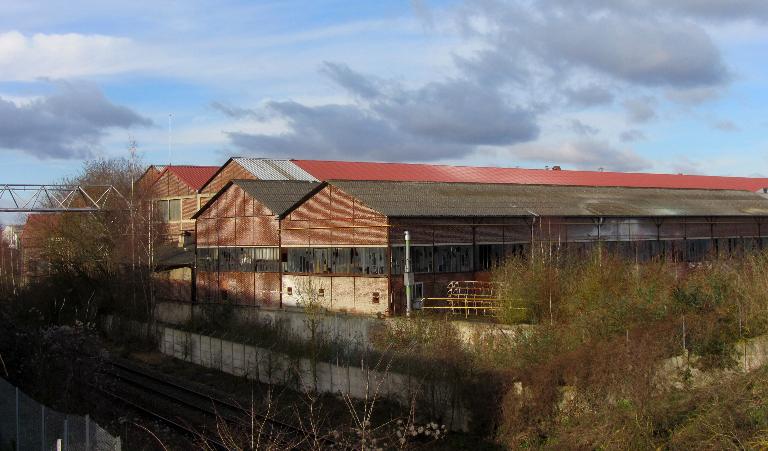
point(346, 170)
point(194, 176)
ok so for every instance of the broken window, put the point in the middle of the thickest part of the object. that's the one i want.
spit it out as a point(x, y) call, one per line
point(299, 260)
point(266, 259)
point(341, 260)
point(453, 258)
point(489, 256)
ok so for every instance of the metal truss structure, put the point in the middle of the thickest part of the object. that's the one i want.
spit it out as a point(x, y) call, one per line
point(19, 198)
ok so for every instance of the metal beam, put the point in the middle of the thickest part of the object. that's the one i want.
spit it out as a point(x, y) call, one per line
point(27, 198)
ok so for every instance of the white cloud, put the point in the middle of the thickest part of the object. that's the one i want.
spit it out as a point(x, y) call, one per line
point(588, 154)
point(29, 57)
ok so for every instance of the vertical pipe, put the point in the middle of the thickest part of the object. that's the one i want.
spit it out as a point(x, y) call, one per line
point(42, 428)
point(407, 271)
point(66, 432)
point(87, 432)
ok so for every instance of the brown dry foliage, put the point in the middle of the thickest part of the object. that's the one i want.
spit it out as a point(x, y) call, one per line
point(589, 371)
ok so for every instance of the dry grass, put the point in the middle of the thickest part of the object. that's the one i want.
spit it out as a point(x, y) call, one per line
point(589, 371)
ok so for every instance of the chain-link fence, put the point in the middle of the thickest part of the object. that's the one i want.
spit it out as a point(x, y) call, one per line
point(28, 425)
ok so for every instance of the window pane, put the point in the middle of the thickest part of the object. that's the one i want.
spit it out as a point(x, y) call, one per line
point(174, 208)
point(162, 210)
point(246, 259)
point(300, 260)
point(341, 259)
point(422, 259)
point(398, 259)
point(266, 259)
point(374, 261)
point(203, 259)
point(489, 256)
point(322, 260)
point(453, 258)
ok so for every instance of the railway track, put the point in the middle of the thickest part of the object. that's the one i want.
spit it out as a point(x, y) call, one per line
point(194, 413)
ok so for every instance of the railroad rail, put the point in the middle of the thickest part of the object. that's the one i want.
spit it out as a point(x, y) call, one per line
point(202, 405)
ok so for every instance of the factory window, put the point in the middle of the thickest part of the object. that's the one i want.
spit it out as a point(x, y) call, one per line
point(453, 258)
point(421, 259)
point(299, 260)
point(697, 250)
point(169, 210)
point(489, 256)
point(266, 259)
point(322, 261)
point(162, 210)
point(228, 260)
point(240, 259)
point(340, 260)
point(174, 210)
point(375, 260)
point(369, 260)
point(204, 259)
point(244, 256)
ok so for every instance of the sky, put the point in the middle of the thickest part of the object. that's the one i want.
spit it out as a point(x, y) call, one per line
point(631, 85)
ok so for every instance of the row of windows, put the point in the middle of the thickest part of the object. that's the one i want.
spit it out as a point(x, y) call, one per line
point(427, 259)
point(241, 259)
point(448, 259)
point(169, 210)
point(336, 260)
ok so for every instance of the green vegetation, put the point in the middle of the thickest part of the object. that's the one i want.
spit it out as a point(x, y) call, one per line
point(588, 375)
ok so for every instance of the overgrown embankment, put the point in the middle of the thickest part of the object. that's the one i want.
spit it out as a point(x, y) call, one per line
point(588, 375)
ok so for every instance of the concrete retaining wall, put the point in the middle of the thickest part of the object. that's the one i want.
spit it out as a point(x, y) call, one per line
point(359, 382)
point(352, 331)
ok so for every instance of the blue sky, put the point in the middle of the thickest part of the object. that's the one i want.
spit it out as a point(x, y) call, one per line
point(637, 85)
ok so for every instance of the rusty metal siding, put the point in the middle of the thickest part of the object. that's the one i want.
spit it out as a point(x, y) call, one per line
point(230, 172)
point(170, 185)
point(236, 219)
point(332, 217)
point(188, 208)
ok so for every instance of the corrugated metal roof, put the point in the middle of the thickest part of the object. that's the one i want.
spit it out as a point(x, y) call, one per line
point(465, 199)
point(346, 170)
point(268, 169)
point(279, 196)
point(194, 176)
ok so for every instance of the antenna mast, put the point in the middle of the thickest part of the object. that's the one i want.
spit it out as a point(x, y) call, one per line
point(170, 160)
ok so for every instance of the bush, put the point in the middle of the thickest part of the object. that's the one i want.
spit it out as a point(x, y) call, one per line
point(589, 370)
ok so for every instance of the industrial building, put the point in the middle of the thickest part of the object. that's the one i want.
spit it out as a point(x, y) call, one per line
point(176, 197)
point(277, 243)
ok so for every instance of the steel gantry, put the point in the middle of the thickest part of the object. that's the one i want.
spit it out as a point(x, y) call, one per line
point(24, 198)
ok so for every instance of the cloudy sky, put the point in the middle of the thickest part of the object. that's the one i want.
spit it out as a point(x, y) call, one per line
point(636, 85)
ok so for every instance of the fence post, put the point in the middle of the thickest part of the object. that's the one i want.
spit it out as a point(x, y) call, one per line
point(66, 432)
point(18, 425)
point(87, 432)
point(42, 428)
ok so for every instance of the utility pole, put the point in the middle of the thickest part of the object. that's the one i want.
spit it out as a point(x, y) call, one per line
point(408, 275)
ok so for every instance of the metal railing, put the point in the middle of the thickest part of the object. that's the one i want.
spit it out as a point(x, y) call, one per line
point(470, 297)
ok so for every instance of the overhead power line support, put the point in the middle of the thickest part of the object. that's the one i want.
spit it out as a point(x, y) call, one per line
point(23, 198)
